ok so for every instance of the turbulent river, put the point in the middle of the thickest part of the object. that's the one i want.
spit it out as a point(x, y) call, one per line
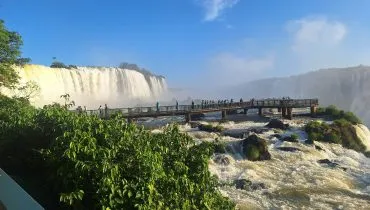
point(290, 180)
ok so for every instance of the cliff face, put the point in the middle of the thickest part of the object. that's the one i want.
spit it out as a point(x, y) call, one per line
point(347, 88)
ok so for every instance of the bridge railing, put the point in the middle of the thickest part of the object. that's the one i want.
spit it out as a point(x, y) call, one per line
point(199, 107)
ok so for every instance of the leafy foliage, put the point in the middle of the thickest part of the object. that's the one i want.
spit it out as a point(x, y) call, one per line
point(294, 136)
point(336, 114)
point(340, 132)
point(10, 44)
point(211, 128)
point(90, 163)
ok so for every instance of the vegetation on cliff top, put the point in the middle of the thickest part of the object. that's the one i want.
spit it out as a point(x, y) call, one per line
point(335, 114)
point(341, 131)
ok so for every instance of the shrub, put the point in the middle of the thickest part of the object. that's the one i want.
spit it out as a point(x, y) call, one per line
point(211, 128)
point(332, 138)
point(252, 153)
point(340, 132)
point(336, 114)
point(294, 137)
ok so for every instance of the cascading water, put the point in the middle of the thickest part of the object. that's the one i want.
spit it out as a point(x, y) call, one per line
point(94, 86)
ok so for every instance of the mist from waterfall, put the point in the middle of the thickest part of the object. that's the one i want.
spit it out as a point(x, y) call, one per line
point(94, 86)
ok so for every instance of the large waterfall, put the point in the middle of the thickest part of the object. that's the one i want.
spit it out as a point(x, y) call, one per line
point(94, 86)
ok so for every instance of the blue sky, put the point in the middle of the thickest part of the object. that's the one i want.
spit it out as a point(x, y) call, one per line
point(195, 42)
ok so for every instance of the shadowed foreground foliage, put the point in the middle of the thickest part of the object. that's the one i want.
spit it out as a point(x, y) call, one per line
point(70, 161)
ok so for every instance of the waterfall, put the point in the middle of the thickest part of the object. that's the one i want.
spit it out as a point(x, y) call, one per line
point(94, 86)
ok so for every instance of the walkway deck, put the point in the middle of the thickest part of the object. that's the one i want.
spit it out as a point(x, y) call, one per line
point(283, 105)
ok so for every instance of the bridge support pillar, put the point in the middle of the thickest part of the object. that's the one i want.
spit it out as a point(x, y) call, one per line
point(283, 112)
point(279, 109)
point(313, 111)
point(223, 114)
point(187, 117)
point(260, 111)
point(289, 113)
point(245, 111)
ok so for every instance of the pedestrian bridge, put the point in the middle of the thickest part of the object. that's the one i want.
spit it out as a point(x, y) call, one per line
point(285, 106)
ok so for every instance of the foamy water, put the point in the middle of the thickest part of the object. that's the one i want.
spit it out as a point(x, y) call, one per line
point(293, 180)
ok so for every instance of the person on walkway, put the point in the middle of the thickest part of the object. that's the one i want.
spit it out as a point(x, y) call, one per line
point(202, 104)
point(177, 105)
point(106, 111)
point(192, 104)
point(157, 106)
point(100, 111)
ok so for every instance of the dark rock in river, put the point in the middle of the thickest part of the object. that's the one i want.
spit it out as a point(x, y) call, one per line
point(328, 162)
point(242, 184)
point(245, 184)
point(289, 149)
point(255, 148)
point(275, 123)
point(318, 148)
point(276, 135)
point(290, 139)
point(308, 141)
point(222, 159)
point(258, 130)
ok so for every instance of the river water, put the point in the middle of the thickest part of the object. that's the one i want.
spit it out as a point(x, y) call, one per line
point(290, 180)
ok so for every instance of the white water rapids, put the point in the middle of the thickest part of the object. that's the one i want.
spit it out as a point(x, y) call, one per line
point(293, 180)
point(93, 86)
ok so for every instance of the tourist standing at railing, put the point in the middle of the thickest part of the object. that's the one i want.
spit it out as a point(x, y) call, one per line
point(106, 111)
point(192, 104)
point(177, 106)
point(100, 112)
point(157, 106)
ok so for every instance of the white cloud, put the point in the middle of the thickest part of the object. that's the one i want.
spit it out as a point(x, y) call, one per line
point(316, 32)
point(309, 44)
point(214, 8)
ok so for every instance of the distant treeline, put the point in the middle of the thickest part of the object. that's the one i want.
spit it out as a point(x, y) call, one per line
point(123, 65)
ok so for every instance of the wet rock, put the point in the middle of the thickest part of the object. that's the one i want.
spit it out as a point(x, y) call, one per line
point(210, 128)
point(245, 184)
point(258, 130)
point(255, 148)
point(328, 162)
point(222, 160)
point(290, 139)
point(308, 141)
point(258, 186)
point(236, 134)
point(194, 124)
point(275, 123)
point(242, 184)
point(276, 135)
point(289, 149)
point(318, 148)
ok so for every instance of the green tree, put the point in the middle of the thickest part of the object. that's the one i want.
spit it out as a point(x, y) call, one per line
point(10, 44)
